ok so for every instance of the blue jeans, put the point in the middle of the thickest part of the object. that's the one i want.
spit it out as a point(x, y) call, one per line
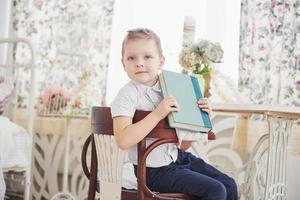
point(193, 176)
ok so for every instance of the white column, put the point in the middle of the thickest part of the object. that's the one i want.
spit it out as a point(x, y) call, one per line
point(189, 29)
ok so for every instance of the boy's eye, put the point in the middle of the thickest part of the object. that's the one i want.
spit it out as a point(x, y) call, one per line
point(130, 58)
point(148, 56)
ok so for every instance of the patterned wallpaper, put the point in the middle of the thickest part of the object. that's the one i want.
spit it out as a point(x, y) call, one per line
point(60, 27)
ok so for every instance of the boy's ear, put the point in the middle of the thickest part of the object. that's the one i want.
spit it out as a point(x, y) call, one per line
point(162, 62)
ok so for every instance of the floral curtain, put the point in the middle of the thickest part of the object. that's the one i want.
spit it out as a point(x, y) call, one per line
point(270, 51)
point(69, 37)
point(269, 63)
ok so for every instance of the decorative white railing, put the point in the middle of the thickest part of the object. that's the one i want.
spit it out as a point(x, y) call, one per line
point(271, 180)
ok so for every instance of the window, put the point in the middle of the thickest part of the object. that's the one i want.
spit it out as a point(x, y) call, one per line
point(216, 20)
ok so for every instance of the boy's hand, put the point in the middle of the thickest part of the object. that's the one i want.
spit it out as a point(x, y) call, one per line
point(167, 105)
point(205, 106)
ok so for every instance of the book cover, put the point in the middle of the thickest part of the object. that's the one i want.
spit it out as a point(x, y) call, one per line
point(187, 92)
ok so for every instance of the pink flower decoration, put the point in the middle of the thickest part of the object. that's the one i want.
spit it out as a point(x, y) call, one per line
point(53, 91)
point(274, 22)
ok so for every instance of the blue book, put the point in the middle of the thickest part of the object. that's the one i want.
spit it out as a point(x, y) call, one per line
point(187, 92)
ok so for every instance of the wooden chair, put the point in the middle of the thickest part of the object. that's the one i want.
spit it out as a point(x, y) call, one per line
point(105, 175)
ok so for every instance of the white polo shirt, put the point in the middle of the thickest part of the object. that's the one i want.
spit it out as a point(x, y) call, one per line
point(135, 96)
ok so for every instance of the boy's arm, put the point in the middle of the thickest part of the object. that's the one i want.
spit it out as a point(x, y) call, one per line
point(128, 134)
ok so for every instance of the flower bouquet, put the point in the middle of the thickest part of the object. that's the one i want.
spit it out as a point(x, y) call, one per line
point(197, 59)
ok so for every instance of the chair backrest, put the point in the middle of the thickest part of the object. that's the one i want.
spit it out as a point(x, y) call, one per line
point(107, 159)
point(110, 163)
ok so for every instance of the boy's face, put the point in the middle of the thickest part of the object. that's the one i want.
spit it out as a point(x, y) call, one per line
point(141, 61)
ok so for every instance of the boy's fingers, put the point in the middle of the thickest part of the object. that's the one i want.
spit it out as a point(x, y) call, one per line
point(207, 111)
point(173, 102)
point(174, 109)
point(175, 105)
point(203, 106)
point(203, 100)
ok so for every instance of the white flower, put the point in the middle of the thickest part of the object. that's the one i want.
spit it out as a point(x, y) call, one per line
point(197, 57)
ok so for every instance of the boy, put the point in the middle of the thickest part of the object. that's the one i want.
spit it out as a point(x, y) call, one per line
point(169, 169)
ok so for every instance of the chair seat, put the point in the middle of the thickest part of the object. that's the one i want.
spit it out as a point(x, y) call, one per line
point(132, 195)
point(129, 194)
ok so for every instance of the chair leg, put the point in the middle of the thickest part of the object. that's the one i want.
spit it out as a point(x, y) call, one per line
point(93, 172)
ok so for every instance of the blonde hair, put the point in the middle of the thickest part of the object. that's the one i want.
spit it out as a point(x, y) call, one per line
point(142, 33)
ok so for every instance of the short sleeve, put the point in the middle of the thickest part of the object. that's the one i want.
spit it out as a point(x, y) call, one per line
point(125, 102)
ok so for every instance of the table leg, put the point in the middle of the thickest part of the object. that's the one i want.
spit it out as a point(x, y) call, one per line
point(279, 131)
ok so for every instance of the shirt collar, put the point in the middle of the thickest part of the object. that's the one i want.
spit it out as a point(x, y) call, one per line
point(156, 87)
